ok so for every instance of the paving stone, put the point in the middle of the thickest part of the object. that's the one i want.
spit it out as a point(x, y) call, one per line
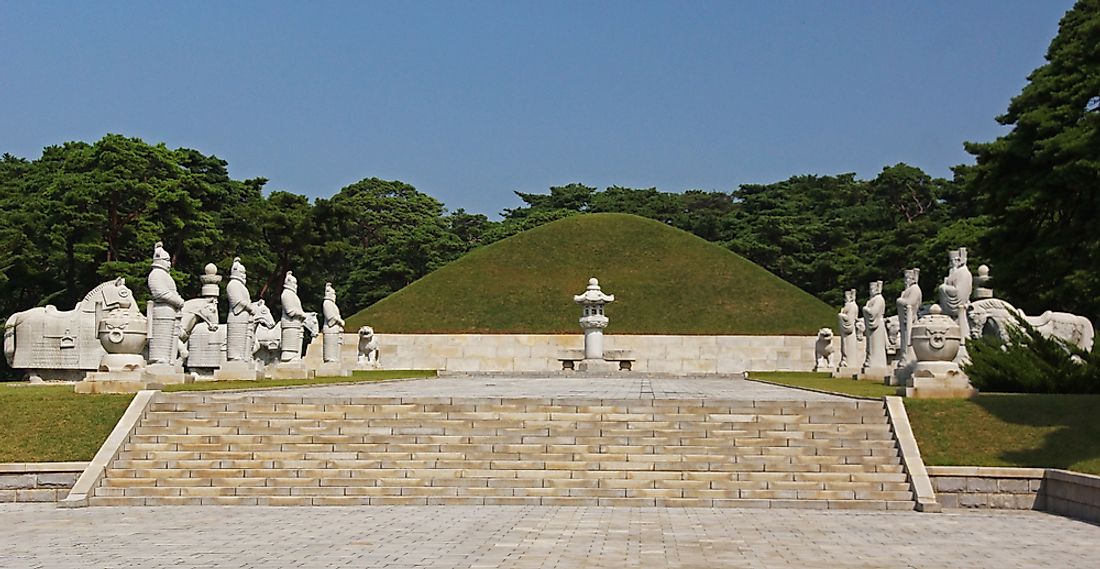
point(519, 537)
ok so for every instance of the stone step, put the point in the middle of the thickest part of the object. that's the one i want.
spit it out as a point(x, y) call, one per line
point(752, 463)
point(433, 444)
point(625, 491)
point(307, 451)
point(502, 501)
point(283, 449)
point(460, 477)
point(207, 402)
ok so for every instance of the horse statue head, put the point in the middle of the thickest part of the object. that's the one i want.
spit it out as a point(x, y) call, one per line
point(261, 315)
point(197, 310)
point(311, 324)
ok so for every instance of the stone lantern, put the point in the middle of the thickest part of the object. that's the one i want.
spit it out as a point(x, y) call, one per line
point(592, 319)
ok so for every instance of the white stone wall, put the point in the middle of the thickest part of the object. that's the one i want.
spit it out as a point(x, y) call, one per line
point(540, 352)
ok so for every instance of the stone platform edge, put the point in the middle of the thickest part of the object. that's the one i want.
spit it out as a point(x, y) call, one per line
point(749, 377)
point(89, 479)
point(37, 481)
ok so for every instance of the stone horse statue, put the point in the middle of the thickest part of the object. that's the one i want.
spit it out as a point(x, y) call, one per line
point(260, 317)
point(194, 311)
point(994, 317)
point(63, 344)
point(268, 338)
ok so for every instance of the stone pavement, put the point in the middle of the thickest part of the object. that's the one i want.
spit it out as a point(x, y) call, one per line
point(584, 387)
point(534, 537)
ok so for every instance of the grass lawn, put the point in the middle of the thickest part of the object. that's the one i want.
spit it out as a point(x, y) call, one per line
point(1053, 431)
point(823, 382)
point(52, 423)
point(48, 423)
point(665, 281)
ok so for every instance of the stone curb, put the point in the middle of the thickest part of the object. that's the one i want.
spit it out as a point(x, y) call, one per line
point(813, 389)
point(1079, 478)
point(988, 471)
point(910, 455)
point(558, 374)
point(20, 467)
point(305, 385)
point(78, 496)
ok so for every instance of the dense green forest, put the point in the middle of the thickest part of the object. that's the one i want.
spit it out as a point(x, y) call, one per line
point(85, 212)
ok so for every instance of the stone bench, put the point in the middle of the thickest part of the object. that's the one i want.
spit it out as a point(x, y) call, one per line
point(622, 359)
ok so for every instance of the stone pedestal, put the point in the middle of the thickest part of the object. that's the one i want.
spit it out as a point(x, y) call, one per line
point(238, 371)
point(846, 372)
point(332, 369)
point(937, 380)
point(114, 382)
point(597, 365)
point(290, 370)
point(879, 374)
point(593, 343)
point(166, 374)
point(362, 365)
point(903, 371)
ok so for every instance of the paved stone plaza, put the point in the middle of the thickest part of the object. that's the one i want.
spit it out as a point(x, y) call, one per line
point(535, 536)
point(564, 388)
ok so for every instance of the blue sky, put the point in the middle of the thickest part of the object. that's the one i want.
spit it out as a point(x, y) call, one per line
point(469, 101)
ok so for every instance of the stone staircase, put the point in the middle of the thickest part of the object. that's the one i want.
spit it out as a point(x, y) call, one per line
point(301, 450)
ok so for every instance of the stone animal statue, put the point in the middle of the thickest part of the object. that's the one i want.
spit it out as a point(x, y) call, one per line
point(267, 343)
point(261, 317)
point(194, 311)
point(893, 335)
point(368, 347)
point(994, 317)
point(823, 350)
point(63, 344)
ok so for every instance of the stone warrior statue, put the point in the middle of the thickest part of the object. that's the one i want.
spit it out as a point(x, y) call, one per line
point(292, 321)
point(333, 329)
point(908, 305)
point(238, 329)
point(846, 321)
point(164, 310)
point(873, 316)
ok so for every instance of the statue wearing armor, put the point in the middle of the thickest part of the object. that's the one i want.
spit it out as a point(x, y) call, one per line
point(873, 316)
point(292, 321)
point(333, 329)
point(165, 304)
point(237, 327)
point(846, 321)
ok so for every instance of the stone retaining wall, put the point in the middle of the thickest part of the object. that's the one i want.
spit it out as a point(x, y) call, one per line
point(37, 481)
point(1060, 492)
point(988, 487)
point(539, 352)
point(1072, 494)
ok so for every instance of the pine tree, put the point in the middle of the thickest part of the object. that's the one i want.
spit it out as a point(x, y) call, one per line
point(1040, 183)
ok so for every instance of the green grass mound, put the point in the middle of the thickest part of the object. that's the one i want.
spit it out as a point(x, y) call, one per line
point(665, 281)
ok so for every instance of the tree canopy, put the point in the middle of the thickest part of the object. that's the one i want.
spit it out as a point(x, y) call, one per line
point(1039, 184)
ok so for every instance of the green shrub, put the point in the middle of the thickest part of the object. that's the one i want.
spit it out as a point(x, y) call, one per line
point(1031, 363)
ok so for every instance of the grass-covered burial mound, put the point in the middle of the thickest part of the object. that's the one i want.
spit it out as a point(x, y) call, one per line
point(665, 281)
